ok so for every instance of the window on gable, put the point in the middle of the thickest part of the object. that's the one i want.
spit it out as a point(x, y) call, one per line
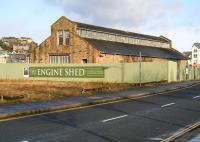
point(66, 37)
point(63, 37)
point(60, 37)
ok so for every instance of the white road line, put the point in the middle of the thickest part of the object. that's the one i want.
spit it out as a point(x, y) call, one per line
point(110, 119)
point(168, 105)
point(196, 97)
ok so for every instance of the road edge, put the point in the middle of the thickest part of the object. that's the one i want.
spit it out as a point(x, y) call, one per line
point(181, 132)
point(36, 112)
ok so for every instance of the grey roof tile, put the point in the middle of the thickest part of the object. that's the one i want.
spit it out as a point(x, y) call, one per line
point(197, 45)
point(109, 47)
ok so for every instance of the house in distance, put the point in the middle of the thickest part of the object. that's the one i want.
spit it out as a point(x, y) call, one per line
point(196, 55)
point(73, 42)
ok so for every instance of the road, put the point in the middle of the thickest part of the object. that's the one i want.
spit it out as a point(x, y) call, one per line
point(138, 120)
point(193, 136)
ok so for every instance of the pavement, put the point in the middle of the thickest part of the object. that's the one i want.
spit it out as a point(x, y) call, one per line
point(25, 109)
point(159, 117)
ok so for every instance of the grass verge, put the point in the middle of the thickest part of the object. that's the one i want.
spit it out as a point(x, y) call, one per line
point(19, 91)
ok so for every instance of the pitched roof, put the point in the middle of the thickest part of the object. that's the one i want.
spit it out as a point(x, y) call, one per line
point(187, 53)
point(197, 45)
point(120, 32)
point(109, 47)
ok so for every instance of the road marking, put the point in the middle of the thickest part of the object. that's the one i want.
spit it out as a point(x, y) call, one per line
point(114, 118)
point(155, 139)
point(132, 97)
point(181, 132)
point(196, 97)
point(167, 105)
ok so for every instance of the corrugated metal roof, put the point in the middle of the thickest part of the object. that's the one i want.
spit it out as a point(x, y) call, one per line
point(120, 32)
point(109, 47)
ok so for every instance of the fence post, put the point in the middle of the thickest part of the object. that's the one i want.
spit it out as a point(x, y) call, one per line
point(140, 69)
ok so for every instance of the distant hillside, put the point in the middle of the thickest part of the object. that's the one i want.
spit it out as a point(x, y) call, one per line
point(5, 46)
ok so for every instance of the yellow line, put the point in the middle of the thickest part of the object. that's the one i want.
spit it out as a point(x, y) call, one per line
point(75, 108)
point(182, 132)
point(133, 97)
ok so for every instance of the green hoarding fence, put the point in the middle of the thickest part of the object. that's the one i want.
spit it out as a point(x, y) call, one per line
point(116, 73)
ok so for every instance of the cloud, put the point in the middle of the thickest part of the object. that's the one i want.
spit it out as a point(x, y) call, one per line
point(120, 12)
point(184, 37)
point(154, 17)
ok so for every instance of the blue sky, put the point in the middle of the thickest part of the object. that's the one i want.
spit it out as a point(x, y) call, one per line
point(30, 18)
point(176, 19)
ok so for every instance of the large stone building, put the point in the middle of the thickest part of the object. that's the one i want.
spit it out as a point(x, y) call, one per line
point(73, 42)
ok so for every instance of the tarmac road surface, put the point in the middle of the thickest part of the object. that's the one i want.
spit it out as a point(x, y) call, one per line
point(137, 120)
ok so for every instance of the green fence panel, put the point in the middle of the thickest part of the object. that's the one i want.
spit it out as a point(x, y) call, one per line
point(119, 73)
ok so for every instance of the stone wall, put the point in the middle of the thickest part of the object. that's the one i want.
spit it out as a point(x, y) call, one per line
point(110, 59)
point(77, 50)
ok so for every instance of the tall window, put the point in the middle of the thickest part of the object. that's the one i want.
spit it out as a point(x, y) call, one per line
point(63, 37)
point(195, 55)
point(58, 59)
point(66, 37)
point(60, 37)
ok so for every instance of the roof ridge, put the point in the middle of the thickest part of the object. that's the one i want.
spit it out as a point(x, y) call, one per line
point(118, 30)
point(197, 45)
point(114, 29)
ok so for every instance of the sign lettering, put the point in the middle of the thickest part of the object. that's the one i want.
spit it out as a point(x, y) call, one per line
point(67, 72)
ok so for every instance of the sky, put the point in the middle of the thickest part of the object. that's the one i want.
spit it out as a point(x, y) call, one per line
point(178, 20)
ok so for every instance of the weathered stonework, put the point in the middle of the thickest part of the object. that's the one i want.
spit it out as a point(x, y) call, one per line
point(78, 49)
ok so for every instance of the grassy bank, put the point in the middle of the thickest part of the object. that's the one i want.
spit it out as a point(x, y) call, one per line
point(17, 91)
